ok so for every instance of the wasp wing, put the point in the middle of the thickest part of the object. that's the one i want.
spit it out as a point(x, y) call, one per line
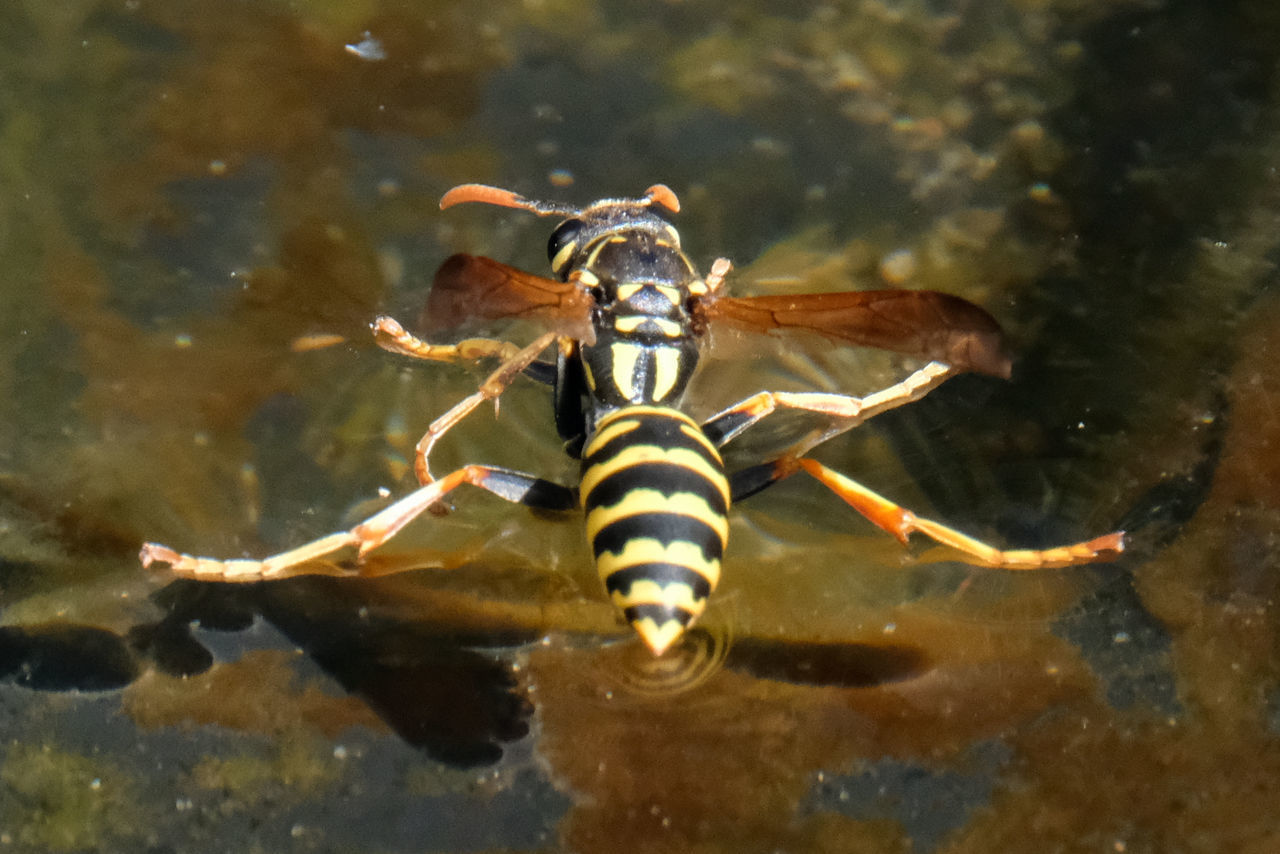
point(472, 287)
point(928, 324)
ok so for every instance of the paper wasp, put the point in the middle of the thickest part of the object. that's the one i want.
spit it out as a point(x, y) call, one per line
point(626, 314)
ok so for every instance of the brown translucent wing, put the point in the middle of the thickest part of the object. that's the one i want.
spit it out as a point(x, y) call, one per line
point(472, 287)
point(928, 324)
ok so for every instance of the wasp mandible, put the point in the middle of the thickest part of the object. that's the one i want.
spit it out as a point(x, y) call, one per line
point(626, 314)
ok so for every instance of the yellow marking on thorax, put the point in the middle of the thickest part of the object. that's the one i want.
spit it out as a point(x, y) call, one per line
point(672, 294)
point(642, 500)
point(624, 357)
point(641, 550)
point(595, 254)
point(585, 277)
point(627, 290)
point(632, 322)
point(666, 370)
point(638, 454)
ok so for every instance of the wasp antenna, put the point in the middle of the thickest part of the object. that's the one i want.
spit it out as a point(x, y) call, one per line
point(663, 195)
point(484, 194)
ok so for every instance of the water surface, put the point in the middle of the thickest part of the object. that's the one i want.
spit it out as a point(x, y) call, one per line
point(190, 189)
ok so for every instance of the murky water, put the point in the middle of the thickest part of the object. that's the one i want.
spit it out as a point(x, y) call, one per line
point(192, 189)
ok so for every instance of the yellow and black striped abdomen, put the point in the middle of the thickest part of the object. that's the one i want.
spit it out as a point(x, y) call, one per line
point(657, 503)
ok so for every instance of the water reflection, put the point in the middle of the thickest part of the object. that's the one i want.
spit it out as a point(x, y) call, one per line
point(192, 187)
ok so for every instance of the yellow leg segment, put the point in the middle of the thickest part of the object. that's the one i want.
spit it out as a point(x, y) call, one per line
point(390, 335)
point(850, 411)
point(490, 389)
point(902, 523)
point(366, 536)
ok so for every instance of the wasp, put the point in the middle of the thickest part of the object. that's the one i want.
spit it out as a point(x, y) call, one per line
point(627, 314)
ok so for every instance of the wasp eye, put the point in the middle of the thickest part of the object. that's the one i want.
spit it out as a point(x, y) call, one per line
point(563, 242)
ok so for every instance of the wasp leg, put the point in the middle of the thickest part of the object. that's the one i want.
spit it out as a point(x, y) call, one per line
point(490, 389)
point(848, 410)
point(715, 279)
point(902, 522)
point(390, 335)
point(514, 486)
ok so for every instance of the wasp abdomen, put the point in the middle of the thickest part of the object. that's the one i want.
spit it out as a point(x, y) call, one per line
point(656, 499)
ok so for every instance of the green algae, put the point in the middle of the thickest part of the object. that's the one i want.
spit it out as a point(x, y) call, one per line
point(60, 801)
